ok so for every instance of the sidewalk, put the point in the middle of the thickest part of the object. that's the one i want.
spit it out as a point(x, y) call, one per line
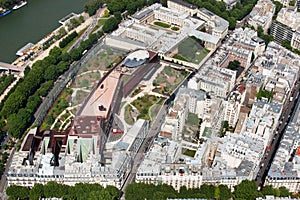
point(45, 53)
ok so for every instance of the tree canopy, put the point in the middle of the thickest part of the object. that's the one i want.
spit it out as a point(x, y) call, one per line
point(239, 11)
point(234, 65)
point(81, 191)
point(137, 191)
point(246, 190)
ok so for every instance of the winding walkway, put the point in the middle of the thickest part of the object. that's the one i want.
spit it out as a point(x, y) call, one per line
point(145, 90)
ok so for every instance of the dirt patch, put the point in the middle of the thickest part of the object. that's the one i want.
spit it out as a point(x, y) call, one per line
point(171, 79)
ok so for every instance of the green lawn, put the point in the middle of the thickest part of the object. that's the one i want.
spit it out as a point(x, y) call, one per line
point(143, 105)
point(163, 25)
point(155, 108)
point(128, 118)
point(175, 77)
point(174, 28)
point(207, 132)
point(188, 152)
point(101, 22)
point(191, 50)
point(179, 57)
point(192, 120)
point(66, 48)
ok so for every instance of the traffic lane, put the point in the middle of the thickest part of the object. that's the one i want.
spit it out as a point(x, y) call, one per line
point(267, 159)
point(144, 146)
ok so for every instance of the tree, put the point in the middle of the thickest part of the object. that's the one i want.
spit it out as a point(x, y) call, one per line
point(56, 53)
point(60, 33)
point(33, 102)
point(284, 192)
point(110, 25)
point(266, 38)
point(268, 190)
point(17, 123)
point(51, 73)
point(44, 89)
point(225, 192)
point(234, 65)
point(113, 191)
point(92, 6)
point(217, 193)
point(53, 189)
point(277, 9)
point(17, 192)
point(207, 191)
point(287, 44)
point(75, 54)
point(277, 192)
point(246, 190)
point(203, 29)
point(36, 192)
point(99, 195)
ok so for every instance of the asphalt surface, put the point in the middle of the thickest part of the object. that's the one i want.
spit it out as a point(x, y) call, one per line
point(285, 118)
point(87, 32)
point(3, 182)
point(148, 141)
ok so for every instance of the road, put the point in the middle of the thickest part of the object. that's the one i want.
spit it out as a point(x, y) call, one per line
point(268, 157)
point(3, 182)
point(87, 32)
point(153, 132)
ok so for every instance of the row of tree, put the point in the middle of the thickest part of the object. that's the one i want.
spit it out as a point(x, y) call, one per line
point(128, 6)
point(245, 190)
point(239, 11)
point(4, 157)
point(5, 81)
point(68, 39)
point(81, 191)
point(19, 107)
point(92, 6)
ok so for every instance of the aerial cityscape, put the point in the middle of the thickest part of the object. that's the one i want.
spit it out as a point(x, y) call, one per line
point(170, 99)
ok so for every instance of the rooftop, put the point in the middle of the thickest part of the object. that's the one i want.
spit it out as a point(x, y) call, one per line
point(98, 104)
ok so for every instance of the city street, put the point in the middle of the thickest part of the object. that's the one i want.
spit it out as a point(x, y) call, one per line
point(288, 111)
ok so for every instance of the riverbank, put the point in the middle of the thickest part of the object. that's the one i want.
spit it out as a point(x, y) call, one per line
point(31, 23)
point(37, 50)
point(41, 54)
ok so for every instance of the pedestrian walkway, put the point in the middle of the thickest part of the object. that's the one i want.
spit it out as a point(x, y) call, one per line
point(147, 90)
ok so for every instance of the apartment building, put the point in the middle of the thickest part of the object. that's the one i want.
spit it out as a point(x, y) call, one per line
point(284, 170)
point(232, 107)
point(261, 15)
point(287, 26)
point(215, 80)
point(233, 159)
point(78, 159)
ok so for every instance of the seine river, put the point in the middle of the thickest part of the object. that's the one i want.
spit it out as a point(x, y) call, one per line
point(31, 23)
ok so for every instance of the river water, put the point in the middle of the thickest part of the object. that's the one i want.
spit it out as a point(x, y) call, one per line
point(31, 23)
